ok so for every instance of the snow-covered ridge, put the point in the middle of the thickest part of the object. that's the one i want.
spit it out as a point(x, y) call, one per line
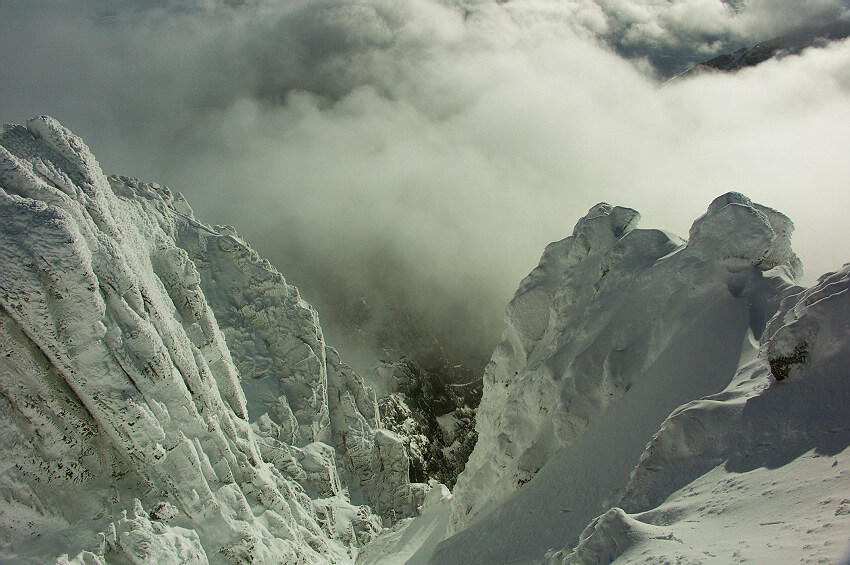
point(766, 457)
point(166, 396)
point(128, 433)
point(617, 328)
point(598, 312)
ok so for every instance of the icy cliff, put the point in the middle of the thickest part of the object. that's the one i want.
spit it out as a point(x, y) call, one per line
point(166, 396)
point(614, 331)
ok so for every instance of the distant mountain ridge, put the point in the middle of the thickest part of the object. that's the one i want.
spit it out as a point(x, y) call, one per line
point(793, 44)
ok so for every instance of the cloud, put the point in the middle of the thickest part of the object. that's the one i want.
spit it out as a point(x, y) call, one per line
point(675, 34)
point(420, 154)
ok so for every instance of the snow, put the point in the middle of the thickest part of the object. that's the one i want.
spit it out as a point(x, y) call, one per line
point(590, 321)
point(166, 396)
point(581, 481)
point(614, 331)
point(412, 541)
point(794, 513)
point(448, 423)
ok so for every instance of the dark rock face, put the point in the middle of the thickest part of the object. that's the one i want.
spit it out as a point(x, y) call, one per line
point(434, 418)
point(781, 366)
point(774, 48)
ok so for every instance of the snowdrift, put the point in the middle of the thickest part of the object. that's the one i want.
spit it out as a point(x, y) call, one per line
point(758, 471)
point(128, 434)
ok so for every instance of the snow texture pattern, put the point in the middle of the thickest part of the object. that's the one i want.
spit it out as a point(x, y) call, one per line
point(128, 433)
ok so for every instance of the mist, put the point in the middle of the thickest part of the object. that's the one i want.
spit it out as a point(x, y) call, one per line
point(411, 159)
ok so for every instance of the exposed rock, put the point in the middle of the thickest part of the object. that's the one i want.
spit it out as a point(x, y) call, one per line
point(434, 418)
point(775, 48)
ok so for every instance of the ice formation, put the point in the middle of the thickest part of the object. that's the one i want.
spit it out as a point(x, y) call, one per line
point(128, 434)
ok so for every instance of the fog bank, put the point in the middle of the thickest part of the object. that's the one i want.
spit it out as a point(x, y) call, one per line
point(409, 160)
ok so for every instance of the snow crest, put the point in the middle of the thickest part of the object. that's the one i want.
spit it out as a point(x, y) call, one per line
point(615, 328)
point(128, 433)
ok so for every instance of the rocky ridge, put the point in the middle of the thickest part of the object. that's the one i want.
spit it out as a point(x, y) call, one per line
point(775, 48)
point(434, 418)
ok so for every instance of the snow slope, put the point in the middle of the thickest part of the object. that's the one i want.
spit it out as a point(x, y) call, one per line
point(413, 540)
point(594, 318)
point(615, 330)
point(126, 431)
point(765, 459)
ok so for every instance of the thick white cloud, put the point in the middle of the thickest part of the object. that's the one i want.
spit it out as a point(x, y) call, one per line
point(423, 153)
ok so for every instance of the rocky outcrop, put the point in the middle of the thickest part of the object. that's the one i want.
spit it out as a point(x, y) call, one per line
point(775, 48)
point(434, 418)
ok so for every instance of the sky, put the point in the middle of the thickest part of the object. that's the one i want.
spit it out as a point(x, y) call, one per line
point(416, 156)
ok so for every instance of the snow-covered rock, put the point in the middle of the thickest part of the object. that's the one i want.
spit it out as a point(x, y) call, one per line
point(615, 329)
point(598, 312)
point(166, 396)
point(126, 431)
point(412, 541)
point(288, 371)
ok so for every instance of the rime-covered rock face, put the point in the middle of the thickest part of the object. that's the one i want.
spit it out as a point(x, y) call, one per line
point(604, 317)
point(126, 431)
point(288, 372)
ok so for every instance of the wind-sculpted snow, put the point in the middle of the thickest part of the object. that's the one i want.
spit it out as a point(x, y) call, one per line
point(760, 419)
point(614, 330)
point(125, 428)
point(765, 456)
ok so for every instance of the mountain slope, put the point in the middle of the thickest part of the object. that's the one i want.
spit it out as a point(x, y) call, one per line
point(615, 330)
point(777, 47)
point(127, 433)
point(168, 398)
point(597, 314)
point(765, 457)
